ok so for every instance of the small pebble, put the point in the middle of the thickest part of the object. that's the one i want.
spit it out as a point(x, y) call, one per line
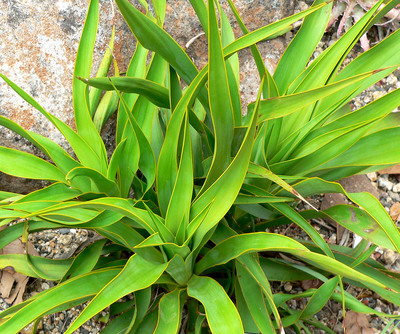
point(396, 188)
point(385, 183)
point(288, 287)
point(390, 256)
point(372, 176)
point(64, 230)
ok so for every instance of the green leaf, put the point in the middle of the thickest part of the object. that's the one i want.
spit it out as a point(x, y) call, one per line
point(94, 94)
point(59, 156)
point(142, 303)
point(327, 63)
point(276, 107)
point(80, 92)
point(84, 152)
point(169, 313)
point(22, 164)
point(99, 183)
point(238, 245)
point(154, 38)
point(51, 269)
point(73, 290)
point(301, 48)
point(320, 298)
point(107, 106)
point(144, 110)
point(136, 275)
point(254, 299)
point(56, 192)
point(154, 92)
point(167, 162)
point(235, 246)
point(119, 205)
point(378, 148)
point(85, 261)
point(181, 197)
point(270, 89)
point(356, 220)
point(223, 192)
point(385, 54)
point(294, 216)
point(222, 315)
point(268, 31)
point(115, 160)
point(137, 69)
point(220, 102)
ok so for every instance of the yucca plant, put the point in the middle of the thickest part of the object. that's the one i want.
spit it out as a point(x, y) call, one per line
point(184, 201)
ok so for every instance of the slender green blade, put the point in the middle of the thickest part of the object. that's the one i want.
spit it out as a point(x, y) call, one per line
point(85, 261)
point(99, 183)
point(223, 192)
point(235, 246)
point(22, 164)
point(136, 275)
point(70, 291)
point(221, 313)
point(379, 148)
point(179, 204)
point(169, 313)
point(254, 300)
point(220, 102)
point(80, 92)
point(95, 94)
point(153, 91)
point(320, 298)
point(47, 146)
point(84, 152)
point(153, 37)
point(271, 89)
point(50, 269)
point(301, 48)
point(167, 162)
point(276, 107)
point(267, 31)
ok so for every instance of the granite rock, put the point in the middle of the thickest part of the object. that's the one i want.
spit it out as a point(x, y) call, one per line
point(39, 41)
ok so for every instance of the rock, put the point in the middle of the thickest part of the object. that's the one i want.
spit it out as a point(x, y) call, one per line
point(385, 183)
point(358, 183)
point(332, 199)
point(45, 286)
point(390, 256)
point(41, 60)
point(372, 176)
point(64, 230)
point(390, 170)
point(65, 239)
point(288, 287)
point(394, 196)
point(396, 188)
point(395, 211)
point(328, 201)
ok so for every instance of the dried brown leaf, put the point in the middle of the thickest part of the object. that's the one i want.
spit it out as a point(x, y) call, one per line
point(390, 170)
point(12, 284)
point(311, 283)
point(395, 211)
point(356, 323)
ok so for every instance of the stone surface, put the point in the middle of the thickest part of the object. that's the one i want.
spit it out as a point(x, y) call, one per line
point(359, 183)
point(391, 170)
point(38, 44)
